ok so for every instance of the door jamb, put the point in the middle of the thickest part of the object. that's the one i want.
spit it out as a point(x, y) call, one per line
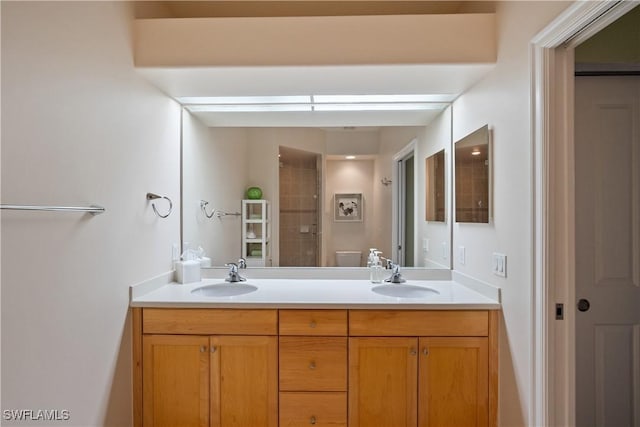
point(552, 84)
point(406, 151)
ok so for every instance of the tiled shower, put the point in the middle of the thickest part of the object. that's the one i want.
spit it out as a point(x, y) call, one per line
point(299, 208)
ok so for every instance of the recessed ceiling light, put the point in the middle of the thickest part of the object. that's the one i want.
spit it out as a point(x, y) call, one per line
point(349, 157)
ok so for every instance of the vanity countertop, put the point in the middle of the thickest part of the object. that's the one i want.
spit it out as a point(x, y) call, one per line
point(318, 294)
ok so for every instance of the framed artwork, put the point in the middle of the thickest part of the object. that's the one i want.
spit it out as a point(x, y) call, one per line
point(347, 207)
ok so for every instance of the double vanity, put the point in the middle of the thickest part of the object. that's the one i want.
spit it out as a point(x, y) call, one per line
point(321, 352)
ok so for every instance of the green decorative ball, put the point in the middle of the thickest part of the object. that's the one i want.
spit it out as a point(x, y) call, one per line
point(254, 193)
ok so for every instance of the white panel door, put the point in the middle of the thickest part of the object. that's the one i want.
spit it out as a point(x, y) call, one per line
point(607, 156)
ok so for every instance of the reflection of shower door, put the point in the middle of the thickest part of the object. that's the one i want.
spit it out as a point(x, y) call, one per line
point(299, 208)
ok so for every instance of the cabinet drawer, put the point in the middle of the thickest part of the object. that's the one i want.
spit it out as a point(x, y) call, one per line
point(318, 409)
point(462, 323)
point(313, 363)
point(209, 321)
point(313, 322)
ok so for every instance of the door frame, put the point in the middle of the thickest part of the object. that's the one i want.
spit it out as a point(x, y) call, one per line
point(552, 125)
point(397, 217)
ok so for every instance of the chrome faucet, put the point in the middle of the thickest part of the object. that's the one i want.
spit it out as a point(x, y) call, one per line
point(396, 276)
point(234, 276)
point(242, 263)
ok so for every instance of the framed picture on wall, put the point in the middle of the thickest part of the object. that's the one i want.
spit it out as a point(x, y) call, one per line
point(347, 207)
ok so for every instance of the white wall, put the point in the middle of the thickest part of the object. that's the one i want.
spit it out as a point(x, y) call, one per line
point(503, 101)
point(78, 126)
point(214, 169)
point(436, 137)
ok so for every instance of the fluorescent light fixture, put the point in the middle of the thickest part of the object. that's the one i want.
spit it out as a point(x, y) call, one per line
point(199, 100)
point(383, 98)
point(349, 157)
point(379, 107)
point(254, 108)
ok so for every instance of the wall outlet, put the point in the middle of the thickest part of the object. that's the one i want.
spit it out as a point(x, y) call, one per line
point(499, 264)
point(462, 257)
point(425, 245)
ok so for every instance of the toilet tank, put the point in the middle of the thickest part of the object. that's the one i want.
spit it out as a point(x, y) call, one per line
point(348, 258)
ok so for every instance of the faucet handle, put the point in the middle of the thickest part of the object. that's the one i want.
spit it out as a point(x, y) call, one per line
point(242, 263)
point(233, 267)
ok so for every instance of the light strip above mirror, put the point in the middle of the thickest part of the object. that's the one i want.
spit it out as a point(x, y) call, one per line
point(317, 103)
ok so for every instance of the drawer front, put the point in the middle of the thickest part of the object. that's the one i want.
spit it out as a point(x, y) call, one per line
point(413, 323)
point(313, 322)
point(209, 321)
point(313, 364)
point(317, 409)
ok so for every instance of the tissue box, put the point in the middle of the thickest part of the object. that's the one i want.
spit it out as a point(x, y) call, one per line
point(187, 271)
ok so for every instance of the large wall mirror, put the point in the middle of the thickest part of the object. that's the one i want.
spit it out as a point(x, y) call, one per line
point(473, 177)
point(302, 170)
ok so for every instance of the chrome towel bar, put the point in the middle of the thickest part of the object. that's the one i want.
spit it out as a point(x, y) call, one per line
point(93, 209)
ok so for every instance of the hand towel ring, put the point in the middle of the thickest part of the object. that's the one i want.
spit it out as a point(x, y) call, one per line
point(151, 196)
point(203, 206)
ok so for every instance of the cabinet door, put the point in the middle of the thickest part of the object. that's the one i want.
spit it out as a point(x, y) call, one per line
point(175, 381)
point(454, 382)
point(244, 381)
point(383, 382)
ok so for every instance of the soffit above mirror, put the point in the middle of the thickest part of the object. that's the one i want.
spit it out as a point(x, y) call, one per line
point(316, 55)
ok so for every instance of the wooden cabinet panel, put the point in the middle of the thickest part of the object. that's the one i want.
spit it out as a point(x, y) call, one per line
point(313, 322)
point(383, 382)
point(453, 385)
point(208, 321)
point(320, 409)
point(175, 381)
point(418, 323)
point(244, 383)
point(313, 364)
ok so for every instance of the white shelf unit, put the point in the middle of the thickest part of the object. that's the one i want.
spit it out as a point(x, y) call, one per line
point(256, 233)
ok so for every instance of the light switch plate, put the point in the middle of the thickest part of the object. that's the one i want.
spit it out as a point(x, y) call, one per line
point(425, 245)
point(462, 256)
point(499, 264)
point(445, 254)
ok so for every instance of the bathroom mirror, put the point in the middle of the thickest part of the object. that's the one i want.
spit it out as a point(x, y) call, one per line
point(473, 177)
point(435, 195)
point(301, 171)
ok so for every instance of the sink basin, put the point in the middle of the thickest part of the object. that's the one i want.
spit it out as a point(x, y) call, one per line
point(224, 290)
point(404, 291)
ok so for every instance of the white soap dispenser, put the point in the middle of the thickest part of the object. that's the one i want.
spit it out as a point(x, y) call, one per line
point(371, 255)
point(376, 271)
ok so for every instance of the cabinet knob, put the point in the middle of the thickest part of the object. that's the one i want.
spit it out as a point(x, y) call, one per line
point(312, 365)
point(425, 351)
point(413, 351)
point(203, 348)
point(213, 349)
point(312, 420)
point(312, 324)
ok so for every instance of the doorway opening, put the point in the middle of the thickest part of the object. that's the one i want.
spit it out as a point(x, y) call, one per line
point(299, 188)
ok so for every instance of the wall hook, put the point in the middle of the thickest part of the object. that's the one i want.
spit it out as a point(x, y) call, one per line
point(203, 206)
point(151, 196)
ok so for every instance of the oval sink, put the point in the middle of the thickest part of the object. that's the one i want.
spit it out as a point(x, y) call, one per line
point(404, 291)
point(224, 290)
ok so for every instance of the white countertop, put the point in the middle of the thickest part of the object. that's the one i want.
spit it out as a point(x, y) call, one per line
point(310, 293)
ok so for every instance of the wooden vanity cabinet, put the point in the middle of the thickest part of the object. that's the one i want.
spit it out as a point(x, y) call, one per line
point(236, 367)
point(403, 379)
point(225, 377)
point(313, 368)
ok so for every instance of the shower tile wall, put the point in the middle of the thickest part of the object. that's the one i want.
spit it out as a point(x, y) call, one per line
point(298, 212)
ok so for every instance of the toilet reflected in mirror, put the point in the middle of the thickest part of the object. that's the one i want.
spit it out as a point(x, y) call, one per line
point(348, 258)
